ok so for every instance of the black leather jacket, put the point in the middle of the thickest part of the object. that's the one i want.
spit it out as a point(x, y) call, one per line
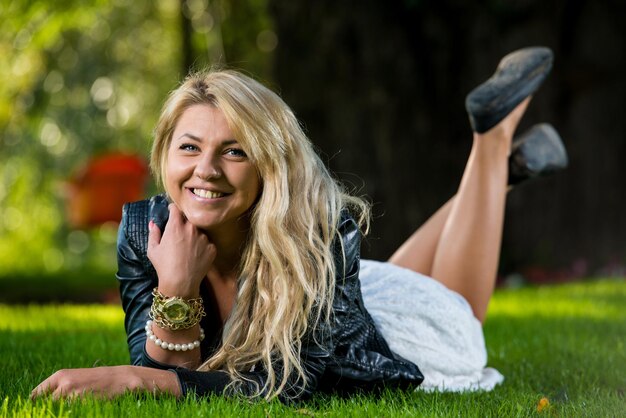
point(352, 355)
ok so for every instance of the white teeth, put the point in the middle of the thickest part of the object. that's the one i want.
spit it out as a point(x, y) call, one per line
point(207, 193)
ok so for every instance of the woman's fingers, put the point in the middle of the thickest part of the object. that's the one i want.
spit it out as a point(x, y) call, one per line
point(176, 214)
point(154, 232)
point(154, 235)
point(55, 385)
point(72, 383)
point(106, 382)
point(39, 390)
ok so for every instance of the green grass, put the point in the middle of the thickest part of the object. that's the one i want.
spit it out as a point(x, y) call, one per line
point(564, 343)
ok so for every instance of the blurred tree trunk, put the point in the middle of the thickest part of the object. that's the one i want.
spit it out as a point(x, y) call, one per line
point(186, 31)
point(380, 87)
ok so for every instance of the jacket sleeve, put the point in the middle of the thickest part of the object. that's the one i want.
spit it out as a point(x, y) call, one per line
point(314, 356)
point(136, 284)
point(314, 359)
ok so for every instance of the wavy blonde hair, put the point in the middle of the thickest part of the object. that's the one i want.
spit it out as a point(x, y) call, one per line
point(287, 272)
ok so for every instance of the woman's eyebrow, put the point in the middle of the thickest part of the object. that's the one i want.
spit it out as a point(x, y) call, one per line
point(193, 137)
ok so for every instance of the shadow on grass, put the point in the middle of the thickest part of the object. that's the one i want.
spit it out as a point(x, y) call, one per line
point(563, 357)
point(67, 286)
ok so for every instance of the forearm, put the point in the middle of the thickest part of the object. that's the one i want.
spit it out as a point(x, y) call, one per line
point(189, 359)
point(158, 381)
point(179, 277)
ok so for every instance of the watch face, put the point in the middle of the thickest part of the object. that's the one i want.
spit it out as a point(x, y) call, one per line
point(176, 310)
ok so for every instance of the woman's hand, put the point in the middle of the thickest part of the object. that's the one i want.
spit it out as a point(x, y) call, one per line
point(107, 382)
point(181, 255)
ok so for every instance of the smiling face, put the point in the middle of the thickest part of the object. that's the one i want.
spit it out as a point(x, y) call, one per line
point(207, 174)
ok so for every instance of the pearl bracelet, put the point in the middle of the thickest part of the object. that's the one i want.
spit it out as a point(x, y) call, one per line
point(171, 346)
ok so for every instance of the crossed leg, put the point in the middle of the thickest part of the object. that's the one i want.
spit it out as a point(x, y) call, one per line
point(460, 244)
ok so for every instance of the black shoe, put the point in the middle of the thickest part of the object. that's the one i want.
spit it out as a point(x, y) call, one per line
point(537, 152)
point(518, 75)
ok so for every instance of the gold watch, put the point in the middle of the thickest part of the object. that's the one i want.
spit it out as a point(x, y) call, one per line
point(174, 312)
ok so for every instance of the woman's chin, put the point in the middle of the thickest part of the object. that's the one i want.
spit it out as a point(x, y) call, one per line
point(203, 223)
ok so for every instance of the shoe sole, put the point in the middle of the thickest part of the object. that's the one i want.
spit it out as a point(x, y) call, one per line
point(519, 74)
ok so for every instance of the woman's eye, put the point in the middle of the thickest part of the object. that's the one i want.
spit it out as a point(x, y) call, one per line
point(188, 147)
point(236, 152)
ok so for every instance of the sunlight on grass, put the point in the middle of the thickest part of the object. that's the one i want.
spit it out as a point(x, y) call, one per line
point(27, 408)
point(600, 300)
point(59, 317)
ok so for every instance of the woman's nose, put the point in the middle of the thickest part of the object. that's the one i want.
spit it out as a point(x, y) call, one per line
point(208, 167)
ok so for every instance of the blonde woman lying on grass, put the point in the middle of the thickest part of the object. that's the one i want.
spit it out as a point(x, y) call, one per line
point(245, 276)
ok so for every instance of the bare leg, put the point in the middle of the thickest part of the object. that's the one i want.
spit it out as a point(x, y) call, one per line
point(417, 253)
point(460, 244)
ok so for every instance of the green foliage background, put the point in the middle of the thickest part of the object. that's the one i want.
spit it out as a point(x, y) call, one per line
point(82, 78)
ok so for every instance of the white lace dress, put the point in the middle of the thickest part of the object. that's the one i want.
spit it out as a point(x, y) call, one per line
point(429, 325)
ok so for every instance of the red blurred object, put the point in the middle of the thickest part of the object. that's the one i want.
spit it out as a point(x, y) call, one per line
point(98, 191)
